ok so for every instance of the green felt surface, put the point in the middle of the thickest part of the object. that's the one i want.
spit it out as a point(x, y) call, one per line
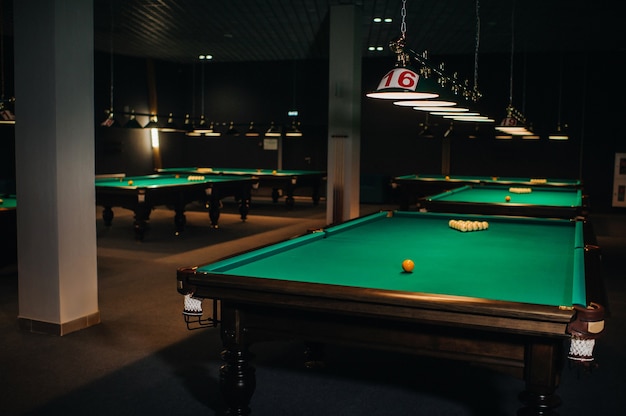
point(526, 260)
point(8, 202)
point(155, 181)
point(240, 171)
point(485, 194)
point(490, 179)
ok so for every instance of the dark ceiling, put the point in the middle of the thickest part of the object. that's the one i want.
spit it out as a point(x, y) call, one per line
point(274, 30)
point(271, 30)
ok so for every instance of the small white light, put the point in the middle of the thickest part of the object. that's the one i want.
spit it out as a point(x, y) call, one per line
point(377, 20)
point(292, 113)
point(154, 135)
point(379, 48)
point(388, 20)
point(371, 48)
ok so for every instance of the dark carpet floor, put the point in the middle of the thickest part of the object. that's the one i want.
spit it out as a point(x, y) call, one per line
point(142, 360)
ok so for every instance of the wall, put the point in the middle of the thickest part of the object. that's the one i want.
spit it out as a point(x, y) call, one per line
point(264, 92)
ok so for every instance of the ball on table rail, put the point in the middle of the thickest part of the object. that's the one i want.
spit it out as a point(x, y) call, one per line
point(408, 265)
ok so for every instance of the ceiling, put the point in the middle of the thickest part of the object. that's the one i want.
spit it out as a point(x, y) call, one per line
point(272, 30)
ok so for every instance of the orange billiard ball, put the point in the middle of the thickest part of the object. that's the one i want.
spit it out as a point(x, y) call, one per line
point(447, 178)
point(408, 265)
point(130, 182)
point(507, 198)
point(274, 172)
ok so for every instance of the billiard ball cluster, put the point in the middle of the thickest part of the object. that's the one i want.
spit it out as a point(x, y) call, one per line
point(195, 178)
point(520, 190)
point(465, 226)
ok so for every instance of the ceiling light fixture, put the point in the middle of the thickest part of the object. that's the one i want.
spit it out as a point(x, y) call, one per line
point(252, 131)
point(514, 123)
point(170, 126)
point(401, 82)
point(293, 131)
point(232, 131)
point(273, 131)
point(212, 132)
point(110, 120)
point(424, 103)
point(152, 122)
point(431, 84)
point(560, 133)
point(132, 122)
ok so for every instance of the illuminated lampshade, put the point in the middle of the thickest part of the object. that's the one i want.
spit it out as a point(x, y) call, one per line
point(293, 131)
point(273, 131)
point(252, 131)
point(202, 126)
point(170, 126)
point(559, 134)
point(402, 83)
point(471, 117)
point(232, 131)
point(108, 122)
point(425, 103)
point(212, 132)
point(513, 124)
point(438, 111)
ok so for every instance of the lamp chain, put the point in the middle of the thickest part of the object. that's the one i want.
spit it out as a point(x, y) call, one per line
point(476, 46)
point(403, 24)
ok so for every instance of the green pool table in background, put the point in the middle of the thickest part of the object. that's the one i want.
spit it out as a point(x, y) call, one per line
point(141, 194)
point(557, 202)
point(409, 188)
point(501, 297)
point(8, 229)
point(282, 181)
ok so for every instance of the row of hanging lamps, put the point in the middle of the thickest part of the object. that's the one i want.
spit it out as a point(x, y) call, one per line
point(443, 96)
point(453, 104)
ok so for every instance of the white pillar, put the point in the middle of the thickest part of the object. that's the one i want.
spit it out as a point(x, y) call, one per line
point(344, 114)
point(54, 135)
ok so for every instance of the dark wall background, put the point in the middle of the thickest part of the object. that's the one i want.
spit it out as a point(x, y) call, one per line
point(390, 145)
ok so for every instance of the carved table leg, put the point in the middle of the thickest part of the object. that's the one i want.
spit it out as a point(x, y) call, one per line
point(237, 380)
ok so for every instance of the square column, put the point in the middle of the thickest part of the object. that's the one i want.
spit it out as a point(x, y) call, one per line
point(54, 135)
point(344, 114)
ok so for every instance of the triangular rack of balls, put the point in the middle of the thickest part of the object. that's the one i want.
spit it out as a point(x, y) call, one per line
point(520, 190)
point(466, 225)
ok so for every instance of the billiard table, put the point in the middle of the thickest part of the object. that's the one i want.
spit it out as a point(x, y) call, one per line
point(282, 181)
point(8, 227)
point(141, 194)
point(532, 201)
point(409, 188)
point(505, 297)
